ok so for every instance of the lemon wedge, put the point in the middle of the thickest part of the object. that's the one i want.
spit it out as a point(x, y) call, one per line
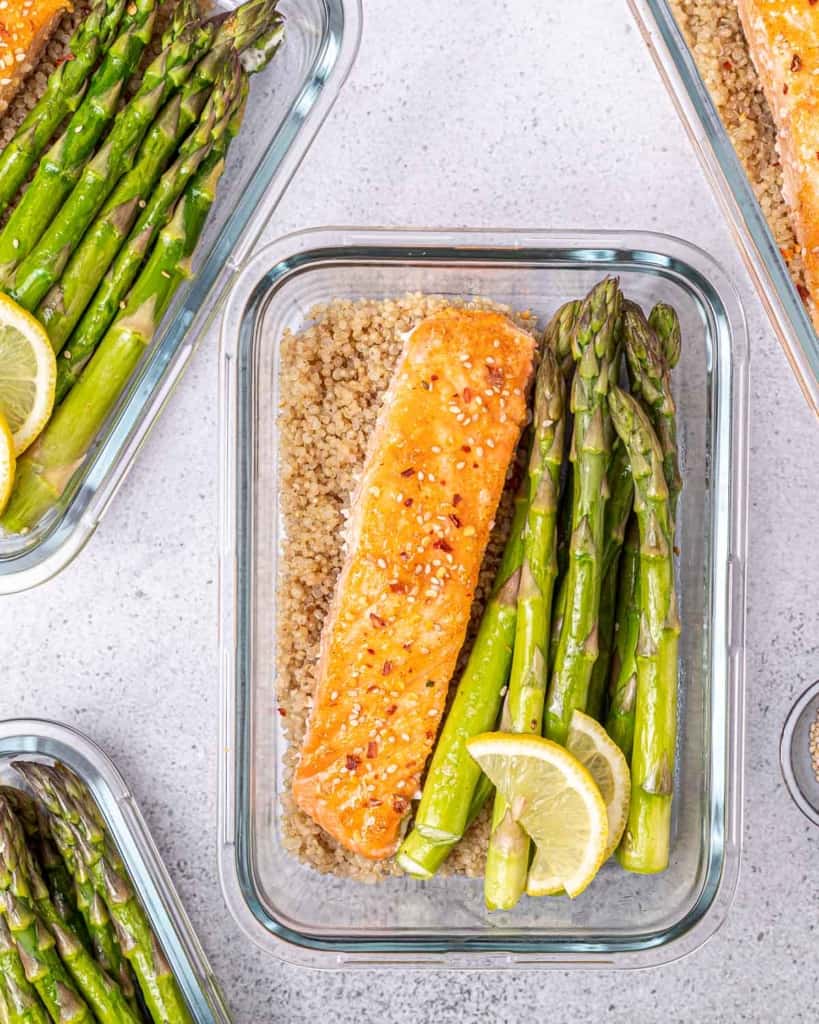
point(555, 800)
point(28, 374)
point(7, 462)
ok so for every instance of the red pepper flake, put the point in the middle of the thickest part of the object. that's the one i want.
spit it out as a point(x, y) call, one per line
point(370, 650)
point(435, 375)
point(398, 588)
point(371, 689)
point(785, 88)
point(465, 448)
point(377, 621)
point(456, 522)
point(728, 65)
point(429, 734)
point(372, 749)
point(796, 63)
point(353, 761)
point(468, 396)
point(282, 712)
point(386, 668)
point(442, 544)
point(804, 294)
point(495, 375)
point(408, 471)
point(399, 804)
point(391, 709)
point(456, 500)
point(408, 502)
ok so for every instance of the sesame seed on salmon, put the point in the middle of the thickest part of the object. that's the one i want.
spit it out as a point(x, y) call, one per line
point(25, 27)
point(419, 525)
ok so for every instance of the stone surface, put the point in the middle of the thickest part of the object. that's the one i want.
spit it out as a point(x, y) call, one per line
point(490, 113)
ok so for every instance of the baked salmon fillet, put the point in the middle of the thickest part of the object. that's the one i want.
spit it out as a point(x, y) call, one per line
point(25, 27)
point(419, 524)
point(783, 39)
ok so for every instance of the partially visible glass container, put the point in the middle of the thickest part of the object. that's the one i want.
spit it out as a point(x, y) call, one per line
point(288, 102)
point(733, 191)
point(624, 920)
point(35, 739)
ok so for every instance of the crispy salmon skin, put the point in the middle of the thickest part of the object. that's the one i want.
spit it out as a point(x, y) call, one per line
point(25, 27)
point(782, 38)
point(419, 524)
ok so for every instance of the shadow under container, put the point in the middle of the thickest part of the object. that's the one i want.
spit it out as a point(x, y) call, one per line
point(623, 920)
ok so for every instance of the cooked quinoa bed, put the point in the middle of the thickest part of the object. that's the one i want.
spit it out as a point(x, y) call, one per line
point(333, 375)
point(714, 34)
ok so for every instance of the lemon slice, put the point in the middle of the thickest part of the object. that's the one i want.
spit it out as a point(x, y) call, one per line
point(593, 748)
point(7, 462)
point(28, 374)
point(554, 798)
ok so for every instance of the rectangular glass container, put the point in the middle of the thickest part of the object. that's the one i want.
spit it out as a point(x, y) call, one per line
point(33, 739)
point(733, 191)
point(624, 920)
point(288, 102)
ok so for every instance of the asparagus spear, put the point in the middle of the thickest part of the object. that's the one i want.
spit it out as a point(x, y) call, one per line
point(19, 997)
point(421, 857)
point(507, 860)
point(558, 336)
point(65, 303)
point(71, 803)
point(213, 124)
point(446, 807)
point(60, 168)
point(94, 915)
point(651, 383)
point(645, 845)
point(62, 96)
point(623, 677)
point(103, 995)
point(49, 464)
point(593, 343)
point(183, 46)
point(666, 324)
point(618, 509)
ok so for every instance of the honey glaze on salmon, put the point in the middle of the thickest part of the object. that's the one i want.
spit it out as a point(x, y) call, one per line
point(419, 524)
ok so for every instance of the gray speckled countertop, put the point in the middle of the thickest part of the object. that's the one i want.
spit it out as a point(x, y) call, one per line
point(497, 112)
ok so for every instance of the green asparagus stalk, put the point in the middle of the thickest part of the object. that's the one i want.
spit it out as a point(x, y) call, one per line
point(421, 857)
point(103, 995)
point(213, 125)
point(446, 807)
point(618, 510)
point(62, 307)
point(61, 167)
point(651, 383)
point(666, 324)
point(19, 997)
point(623, 675)
point(593, 342)
point(507, 860)
point(62, 96)
point(44, 473)
point(646, 842)
point(183, 46)
point(69, 801)
point(558, 336)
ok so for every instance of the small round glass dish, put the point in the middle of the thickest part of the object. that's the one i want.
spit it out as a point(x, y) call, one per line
point(795, 755)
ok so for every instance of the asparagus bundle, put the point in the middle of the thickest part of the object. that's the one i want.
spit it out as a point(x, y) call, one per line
point(507, 860)
point(76, 819)
point(593, 345)
point(46, 468)
point(645, 845)
point(62, 307)
point(61, 167)
point(62, 96)
point(183, 44)
point(452, 795)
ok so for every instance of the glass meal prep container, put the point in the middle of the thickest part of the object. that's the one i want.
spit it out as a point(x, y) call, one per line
point(288, 102)
point(733, 190)
point(34, 739)
point(623, 920)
